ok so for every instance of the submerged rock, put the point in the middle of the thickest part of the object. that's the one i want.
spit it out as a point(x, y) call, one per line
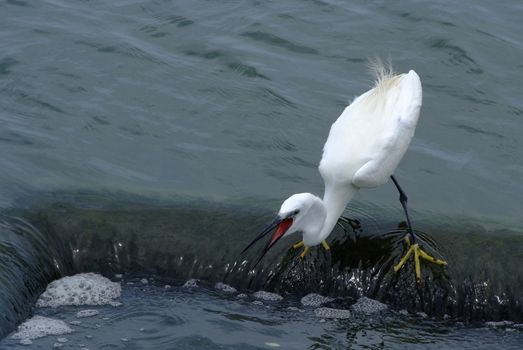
point(267, 296)
point(39, 326)
point(81, 289)
point(368, 306)
point(326, 312)
point(224, 288)
point(314, 300)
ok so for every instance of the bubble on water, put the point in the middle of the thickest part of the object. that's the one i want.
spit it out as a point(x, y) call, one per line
point(242, 296)
point(118, 275)
point(167, 286)
point(224, 288)
point(57, 345)
point(144, 281)
point(75, 323)
point(326, 312)
point(62, 340)
point(26, 341)
point(81, 289)
point(87, 313)
point(257, 302)
point(39, 326)
point(368, 306)
point(267, 296)
point(314, 300)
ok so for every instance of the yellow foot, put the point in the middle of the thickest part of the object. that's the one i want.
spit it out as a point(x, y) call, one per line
point(298, 245)
point(305, 251)
point(418, 253)
point(325, 245)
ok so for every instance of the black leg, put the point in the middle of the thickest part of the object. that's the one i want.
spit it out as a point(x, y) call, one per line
point(403, 201)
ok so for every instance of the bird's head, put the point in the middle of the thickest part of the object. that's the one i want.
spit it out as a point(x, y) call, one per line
point(300, 212)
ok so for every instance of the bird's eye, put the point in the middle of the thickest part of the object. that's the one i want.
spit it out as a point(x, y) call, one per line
point(294, 213)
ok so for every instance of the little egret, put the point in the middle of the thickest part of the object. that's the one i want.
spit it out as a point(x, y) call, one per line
point(364, 147)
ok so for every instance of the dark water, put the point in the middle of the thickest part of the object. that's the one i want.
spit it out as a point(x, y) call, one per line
point(177, 318)
point(157, 137)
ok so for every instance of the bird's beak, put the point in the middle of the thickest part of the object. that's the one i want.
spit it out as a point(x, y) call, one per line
point(281, 226)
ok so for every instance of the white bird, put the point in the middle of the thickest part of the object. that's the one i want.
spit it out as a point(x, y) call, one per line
point(364, 147)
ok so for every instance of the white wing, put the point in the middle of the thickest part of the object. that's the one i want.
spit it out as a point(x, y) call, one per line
point(367, 142)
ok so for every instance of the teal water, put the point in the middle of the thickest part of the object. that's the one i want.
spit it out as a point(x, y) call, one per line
point(230, 102)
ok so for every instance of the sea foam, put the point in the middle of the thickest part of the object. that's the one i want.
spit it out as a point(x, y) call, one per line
point(81, 289)
point(38, 327)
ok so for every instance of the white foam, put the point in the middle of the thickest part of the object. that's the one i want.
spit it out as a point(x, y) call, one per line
point(368, 306)
point(81, 289)
point(192, 283)
point(224, 288)
point(314, 300)
point(267, 296)
point(144, 281)
point(326, 312)
point(87, 313)
point(26, 342)
point(39, 326)
point(496, 324)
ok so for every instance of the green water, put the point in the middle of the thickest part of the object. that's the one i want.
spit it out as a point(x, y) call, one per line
point(182, 120)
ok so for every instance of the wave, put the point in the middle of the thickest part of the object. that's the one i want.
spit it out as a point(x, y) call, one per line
point(191, 238)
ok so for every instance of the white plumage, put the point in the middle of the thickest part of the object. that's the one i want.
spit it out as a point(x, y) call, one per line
point(364, 147)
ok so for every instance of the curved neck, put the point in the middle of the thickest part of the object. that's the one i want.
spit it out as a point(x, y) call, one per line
point(335, 200)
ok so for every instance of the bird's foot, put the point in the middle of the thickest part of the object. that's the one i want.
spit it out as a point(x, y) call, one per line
point(418, 254)
point(307, 249)
point(298, 245)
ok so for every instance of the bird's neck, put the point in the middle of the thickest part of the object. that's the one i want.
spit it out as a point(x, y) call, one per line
point(335, 200)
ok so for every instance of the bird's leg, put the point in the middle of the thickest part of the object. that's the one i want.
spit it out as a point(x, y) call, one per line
point(403, 201)
point(414, 248)
point(325, 245)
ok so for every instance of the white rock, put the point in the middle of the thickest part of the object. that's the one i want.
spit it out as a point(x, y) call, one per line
point(192, 283)
point(39, 326)
point(87, 313)
point(81, 289)
point(326, 312)
point(368, 306)
point(224, 288)
point(267, 296)
point(314, 300)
